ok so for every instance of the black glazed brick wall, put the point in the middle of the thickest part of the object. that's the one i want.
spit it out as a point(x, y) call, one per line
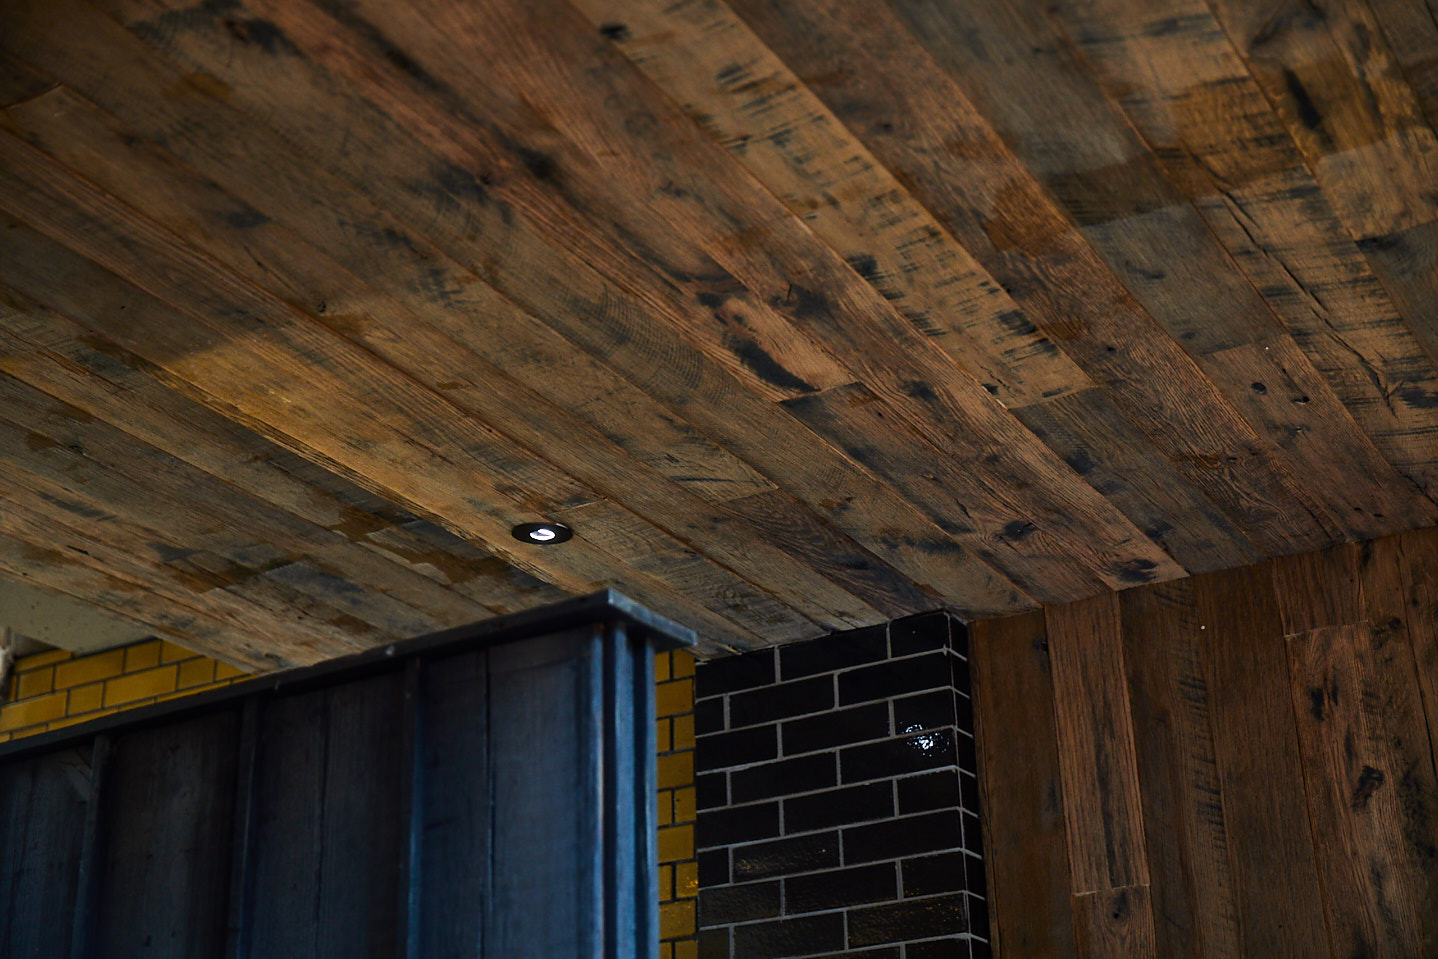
point(838, 798)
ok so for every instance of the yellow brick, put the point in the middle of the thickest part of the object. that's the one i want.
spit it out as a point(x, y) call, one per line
point(170, 653)
point(666, 882)
point(90, 669)
point(68, 721)
point(672, 699)
point(136, 686)
point(676, 843)
point(676, 919)
point(662, 740)
point(142, 656)
point(684, 805)
point(32, 712)
point(196, 672)
point(665, 799)
point(226, 671)
point(35, 682)
point(683, 664)
point(4, 737)
point(686, 880)
point(686, 950)
point(666, 951)
point(683, 732)
point(661, 667)
point(84, 699)
point(36, 660)
point(676, 769)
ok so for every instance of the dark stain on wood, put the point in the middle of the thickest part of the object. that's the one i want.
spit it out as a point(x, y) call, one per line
point(1370, 780)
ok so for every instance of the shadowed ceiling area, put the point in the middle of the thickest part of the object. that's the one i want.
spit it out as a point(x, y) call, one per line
point(803, 315)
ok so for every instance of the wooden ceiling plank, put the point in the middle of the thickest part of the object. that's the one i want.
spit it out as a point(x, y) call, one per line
point(1406, 264)
point(1113, 457)
point(701, 55)
point(107, 389)
point(917, 120)
point(19, 82)
point(1030, 548)
point(90, 142)
point(1330, 75)
point(847, 315)
point(465, 377)
point(1190, 95)
point(173, 111)
point(1410, 29)
point(48, 272)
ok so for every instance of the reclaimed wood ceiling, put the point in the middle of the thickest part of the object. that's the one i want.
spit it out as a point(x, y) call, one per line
point(804, 314)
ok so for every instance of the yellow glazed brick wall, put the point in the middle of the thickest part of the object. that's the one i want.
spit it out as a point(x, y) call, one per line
point(54, 689)
point(678, 871)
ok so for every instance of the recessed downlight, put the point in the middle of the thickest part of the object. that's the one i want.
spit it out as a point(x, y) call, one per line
point(542, 534)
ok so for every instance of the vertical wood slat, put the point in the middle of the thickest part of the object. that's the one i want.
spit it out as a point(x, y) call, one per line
point(87, 884)
point(43, 803)
point(1114, 924)
point(1102, 806)
point(411, 803)
point(1318, 589)
point(646, 774)
point(1194, 909)
point(1022, 799)
point(237, 944)
point(1265, 812)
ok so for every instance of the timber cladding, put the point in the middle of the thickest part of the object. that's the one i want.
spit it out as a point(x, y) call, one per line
point(805, 316)
point(1241, 763)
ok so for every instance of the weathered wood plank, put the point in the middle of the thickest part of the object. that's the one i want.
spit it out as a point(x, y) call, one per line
point(1319, 589)
point(281, 198)
point(1265, 810)
point(165, 854)
point(1412, 36)
point(1420, 551)
point(1115, 923)
point(1026, 849)
point(42, 816)
point(1371, 794)
point(1103, 808)
point(1406, 263)
point(1194, 908)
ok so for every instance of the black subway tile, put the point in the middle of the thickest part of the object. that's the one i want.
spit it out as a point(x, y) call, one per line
point(713, 869)
point(959, 638)
point(976, 879)
point(919, 634)
point(838, 807)
point(711, 790)
point(951, 948)
point(780, 702)
point(736, 824)
point(968, 792)
point(896, 757)
point(782, 857)
point(909, 919)
point(838, 728)
point(959, 670)
point(931, 875)
point(924, 711)
point(737, 748)
point(938, 790)
point(973, 833)
point(831, 653)
point(842, 887)
point(755, 900)
point(967, 753)
point(890, 953)
point(790, 937)
point(714, 943)
point(978, 915)
point(709, 716)
point(789, 776)
point(894, 678)
point(964, 712)
point(896, 838)
point(745, 671)
point(978, 949)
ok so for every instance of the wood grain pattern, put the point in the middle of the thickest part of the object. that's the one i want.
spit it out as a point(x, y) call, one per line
point(1116, 923)
point(1140, 291)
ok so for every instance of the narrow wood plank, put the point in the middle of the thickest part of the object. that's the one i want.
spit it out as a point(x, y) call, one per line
point(1319, 589)
point(87, 882)
point(1116, 923)
point(1406, 263)
point(1370, 798)
point(1412, 37)
point(1194, 908)
point(1026, 849)
point(1103, 808)
point(772, 450)
point(169, 809)
point(1265, 810)
point(42, 822)
point(410, 813)
point(1420, 552)
point(240, 895)
point(19, 82)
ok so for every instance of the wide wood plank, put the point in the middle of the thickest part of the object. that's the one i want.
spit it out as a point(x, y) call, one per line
point(1117, 923)
point(1319, 589)
point(1165, 652)
point(42, 816)
point(1265, 809)
point(1103, 809)
point(1371, 795)
point(1026, 852)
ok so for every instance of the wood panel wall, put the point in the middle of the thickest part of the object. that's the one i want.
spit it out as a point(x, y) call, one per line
point(1236, 764)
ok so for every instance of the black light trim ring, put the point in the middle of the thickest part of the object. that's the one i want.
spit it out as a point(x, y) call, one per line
point(542, 534)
